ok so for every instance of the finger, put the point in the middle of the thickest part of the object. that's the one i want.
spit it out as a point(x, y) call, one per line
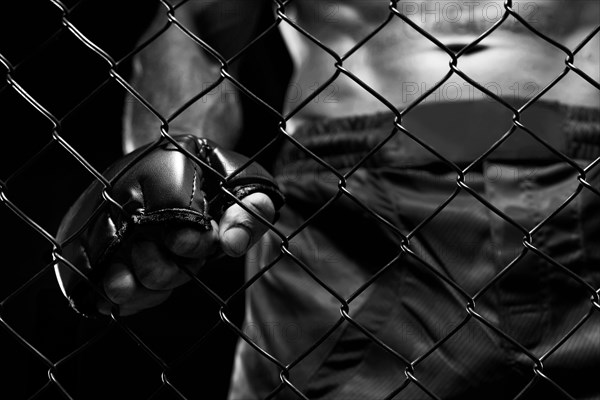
point(141, 303)
point(190, 242)
point(125, 310)
point(154, 269)
point(239, 230)
point(122, 289)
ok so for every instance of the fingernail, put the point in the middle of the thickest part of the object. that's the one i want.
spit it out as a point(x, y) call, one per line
point(237, 239)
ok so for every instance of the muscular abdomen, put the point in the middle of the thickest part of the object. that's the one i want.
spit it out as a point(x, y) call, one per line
point(401, 64)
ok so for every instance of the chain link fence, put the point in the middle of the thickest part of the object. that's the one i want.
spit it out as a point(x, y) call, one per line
point(67, 67)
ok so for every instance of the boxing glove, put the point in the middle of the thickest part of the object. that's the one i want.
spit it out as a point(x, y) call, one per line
point(154, 186)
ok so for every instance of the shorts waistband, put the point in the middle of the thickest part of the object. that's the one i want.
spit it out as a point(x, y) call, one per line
point(458, 131)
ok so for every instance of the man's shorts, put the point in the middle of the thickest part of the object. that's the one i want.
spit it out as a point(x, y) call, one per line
point(403, 275)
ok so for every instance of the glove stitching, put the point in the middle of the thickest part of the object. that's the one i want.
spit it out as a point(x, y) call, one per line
point(204, 148)
point(194, 166)
point(193, 185)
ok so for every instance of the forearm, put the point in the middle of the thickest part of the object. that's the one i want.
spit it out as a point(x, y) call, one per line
point(169, 72)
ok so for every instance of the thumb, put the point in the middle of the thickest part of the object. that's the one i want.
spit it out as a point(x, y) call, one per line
point(239, 230)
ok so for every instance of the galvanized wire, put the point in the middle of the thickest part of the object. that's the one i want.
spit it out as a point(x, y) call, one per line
point(405, 246)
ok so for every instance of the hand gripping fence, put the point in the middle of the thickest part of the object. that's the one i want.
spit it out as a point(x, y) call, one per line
point(52, 373)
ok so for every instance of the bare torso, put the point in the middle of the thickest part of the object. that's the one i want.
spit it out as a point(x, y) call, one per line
point(397, 62)
point(401, 64)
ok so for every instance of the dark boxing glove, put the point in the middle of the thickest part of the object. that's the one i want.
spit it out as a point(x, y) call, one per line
point(163, 186)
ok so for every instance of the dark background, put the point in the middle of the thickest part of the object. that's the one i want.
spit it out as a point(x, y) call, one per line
point(42, 180)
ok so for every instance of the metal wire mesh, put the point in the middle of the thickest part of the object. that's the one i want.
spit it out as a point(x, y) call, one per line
point(46, 135)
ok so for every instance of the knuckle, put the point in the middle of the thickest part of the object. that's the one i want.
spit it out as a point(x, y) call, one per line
point(182, 238)
point(190, 242)
point(155, 278)
point(119, 291)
